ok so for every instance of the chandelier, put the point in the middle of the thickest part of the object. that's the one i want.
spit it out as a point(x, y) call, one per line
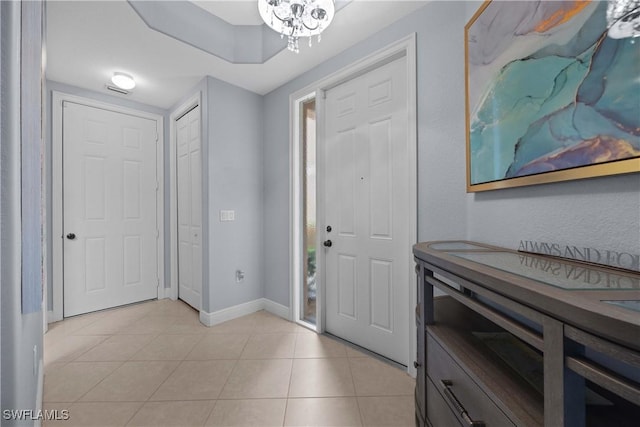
point(623, 18)
point(297, 18)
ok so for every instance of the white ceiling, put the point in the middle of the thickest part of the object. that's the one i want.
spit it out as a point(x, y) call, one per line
point(88, 40)
point(236, 12)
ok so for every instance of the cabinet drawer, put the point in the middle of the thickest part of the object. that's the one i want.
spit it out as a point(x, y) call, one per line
point(438, 412)
point(459, 391)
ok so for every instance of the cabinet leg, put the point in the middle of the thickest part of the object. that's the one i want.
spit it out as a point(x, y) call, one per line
point(564, 396)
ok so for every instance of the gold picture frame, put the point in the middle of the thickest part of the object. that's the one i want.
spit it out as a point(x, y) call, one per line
point(537, 106)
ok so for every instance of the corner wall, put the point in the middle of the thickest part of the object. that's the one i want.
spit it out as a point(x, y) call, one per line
point(232, 180)
point(235, 157)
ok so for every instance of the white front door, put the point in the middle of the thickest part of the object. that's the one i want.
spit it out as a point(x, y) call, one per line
point(109, 208)
point(189, 176)
point(366, 203)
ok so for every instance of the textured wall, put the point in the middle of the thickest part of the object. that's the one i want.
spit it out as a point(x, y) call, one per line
point(601, 212)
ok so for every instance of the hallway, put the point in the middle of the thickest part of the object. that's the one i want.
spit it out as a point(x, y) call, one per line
point(155, 364)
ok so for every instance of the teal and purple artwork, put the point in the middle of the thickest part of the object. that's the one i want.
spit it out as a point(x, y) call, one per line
point(550, 96)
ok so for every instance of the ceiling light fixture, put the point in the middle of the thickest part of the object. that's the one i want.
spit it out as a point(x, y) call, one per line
point(623, 18)
point(297, 18)
point(123, 81)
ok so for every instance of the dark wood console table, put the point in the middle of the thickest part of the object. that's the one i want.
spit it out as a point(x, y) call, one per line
point(518, 339)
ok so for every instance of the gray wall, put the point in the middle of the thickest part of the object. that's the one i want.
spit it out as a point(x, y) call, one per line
point(232, 180)
point(441, 151)
point(235, 157)
point(232, 147)
point(602, 212)
point(21, 334)
point(115, 100)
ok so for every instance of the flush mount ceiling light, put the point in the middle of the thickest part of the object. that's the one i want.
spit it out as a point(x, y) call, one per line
point(623, 18)
point(123, 81)
point(297, 18)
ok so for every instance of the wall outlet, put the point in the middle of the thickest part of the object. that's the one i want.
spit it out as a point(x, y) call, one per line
point(239, 276)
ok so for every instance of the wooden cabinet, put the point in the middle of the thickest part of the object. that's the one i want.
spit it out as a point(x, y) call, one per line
point(516, 339)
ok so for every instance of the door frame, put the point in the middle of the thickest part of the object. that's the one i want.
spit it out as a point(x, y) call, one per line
point(57, 186)
point(405, 47)
point(296, 212)
point(191, 103)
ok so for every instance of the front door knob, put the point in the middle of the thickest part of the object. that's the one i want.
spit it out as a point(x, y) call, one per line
point(327, 243)
point(71, 236)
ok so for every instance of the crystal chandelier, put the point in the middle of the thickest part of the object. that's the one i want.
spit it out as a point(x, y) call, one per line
point(623, 18)
point(297, 18)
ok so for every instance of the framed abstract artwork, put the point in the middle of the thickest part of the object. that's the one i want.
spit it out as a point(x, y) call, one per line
point(550, 94)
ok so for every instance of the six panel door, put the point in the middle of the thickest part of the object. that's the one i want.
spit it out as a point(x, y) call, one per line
point(368, 269)
point(109, 201)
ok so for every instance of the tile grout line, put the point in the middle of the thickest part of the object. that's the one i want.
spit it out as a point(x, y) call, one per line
point(236, 360)
point(161, 383)
point(355, 390)
point(201, 338)
point(286, 402)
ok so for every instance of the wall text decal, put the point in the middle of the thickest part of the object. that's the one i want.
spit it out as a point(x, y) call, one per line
point(608, 257)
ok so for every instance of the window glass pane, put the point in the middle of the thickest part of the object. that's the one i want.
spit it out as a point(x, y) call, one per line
point(309, 211)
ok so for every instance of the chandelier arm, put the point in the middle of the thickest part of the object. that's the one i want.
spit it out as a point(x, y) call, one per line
point(276, 15)
point(310, 28)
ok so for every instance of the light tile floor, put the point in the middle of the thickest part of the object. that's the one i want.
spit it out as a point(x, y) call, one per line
point(155, 364)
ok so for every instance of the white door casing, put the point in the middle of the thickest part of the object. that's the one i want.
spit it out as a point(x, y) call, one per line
point(189, 201)
point(366, 148)
point(110, 200)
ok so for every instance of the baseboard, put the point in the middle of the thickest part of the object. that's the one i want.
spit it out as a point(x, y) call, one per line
point(230, 313)
point(39, 393)
point(277, 309)
point(163, 293)
point(172, 293)
point(51, 317)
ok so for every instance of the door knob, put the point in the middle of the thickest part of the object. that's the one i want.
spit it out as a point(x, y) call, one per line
point(71, 236)
point(327, 243)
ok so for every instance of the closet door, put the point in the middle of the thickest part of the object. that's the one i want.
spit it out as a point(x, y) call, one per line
point(189, 185)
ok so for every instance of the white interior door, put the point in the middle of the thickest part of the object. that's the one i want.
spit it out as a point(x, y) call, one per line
point(109, 207)
point(366, 204)
point(189, 176)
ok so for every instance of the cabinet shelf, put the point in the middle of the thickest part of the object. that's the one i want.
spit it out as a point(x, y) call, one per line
point(456, 332)
point(510, 344)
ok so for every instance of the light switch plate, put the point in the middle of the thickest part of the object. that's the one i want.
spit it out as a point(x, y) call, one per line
point(226, 215)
